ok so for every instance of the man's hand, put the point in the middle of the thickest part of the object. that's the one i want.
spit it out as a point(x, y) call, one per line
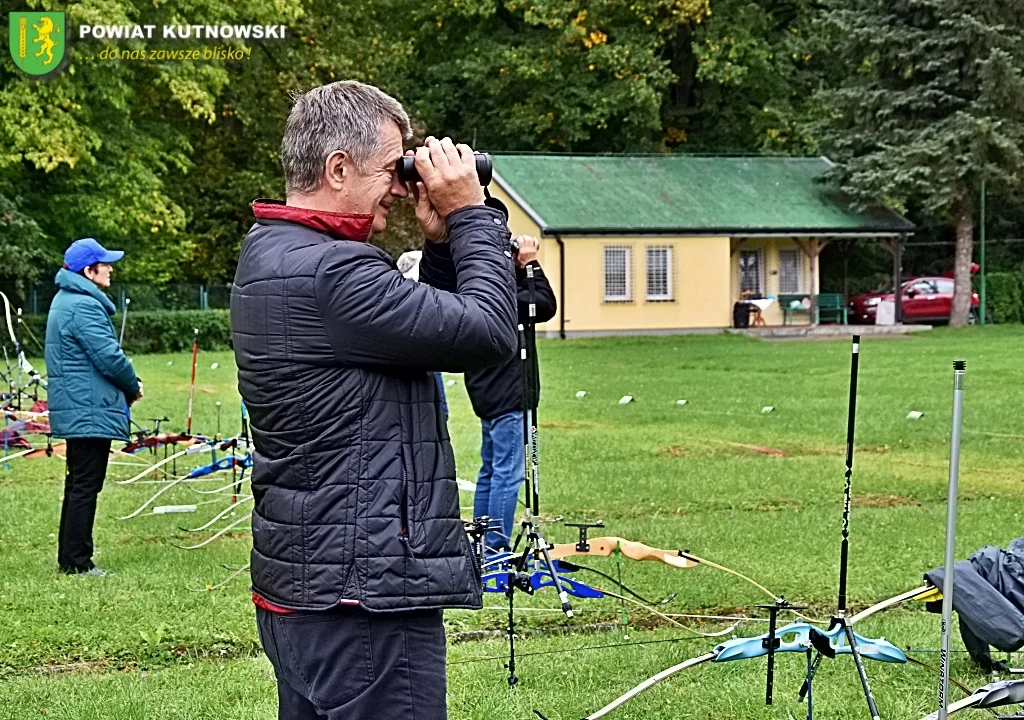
point(430, 220)
point(449, 176)
point(137, 397)
point(528, 246)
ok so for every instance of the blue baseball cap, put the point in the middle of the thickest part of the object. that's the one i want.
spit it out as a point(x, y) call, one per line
point(86, 252)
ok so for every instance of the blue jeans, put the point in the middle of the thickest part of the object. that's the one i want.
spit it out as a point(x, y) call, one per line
point(502, 473)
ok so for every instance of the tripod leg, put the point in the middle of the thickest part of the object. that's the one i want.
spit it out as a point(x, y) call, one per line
point(806, 688)
point(562, 594)
point(512, 679)
point(810, 678)
point(859, 662)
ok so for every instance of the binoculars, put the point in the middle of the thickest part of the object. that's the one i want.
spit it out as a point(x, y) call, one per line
point(406, 169)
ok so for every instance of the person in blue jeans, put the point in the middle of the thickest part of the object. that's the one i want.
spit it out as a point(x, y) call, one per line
point(497, 395)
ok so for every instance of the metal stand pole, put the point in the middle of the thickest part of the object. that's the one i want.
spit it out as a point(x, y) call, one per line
point(844, 550)
point(124, 322)
point(535, 544)
point(959, 370)
point(840, 618)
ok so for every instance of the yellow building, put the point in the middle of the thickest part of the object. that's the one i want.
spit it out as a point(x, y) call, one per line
point(670, 242)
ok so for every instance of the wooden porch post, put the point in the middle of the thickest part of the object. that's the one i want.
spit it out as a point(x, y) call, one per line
point(895, 248)
point(898, 278)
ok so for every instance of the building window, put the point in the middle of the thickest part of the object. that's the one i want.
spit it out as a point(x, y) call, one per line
point(751, 275)
point(659, 272)
point(616, 273)
point(791, 271)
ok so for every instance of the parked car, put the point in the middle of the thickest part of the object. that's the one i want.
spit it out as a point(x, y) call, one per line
point(925, 299)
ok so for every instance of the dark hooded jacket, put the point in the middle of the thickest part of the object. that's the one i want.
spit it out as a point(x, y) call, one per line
point(500, 389)
point(353, 474)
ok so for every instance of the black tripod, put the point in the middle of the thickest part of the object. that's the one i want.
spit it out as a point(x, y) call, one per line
point(840, 619)
point(536, 546)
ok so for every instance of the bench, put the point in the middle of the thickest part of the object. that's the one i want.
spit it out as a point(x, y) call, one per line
point(830, 307)
point(802, 303)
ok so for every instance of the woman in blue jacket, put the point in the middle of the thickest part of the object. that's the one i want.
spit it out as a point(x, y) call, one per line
point(91, 383)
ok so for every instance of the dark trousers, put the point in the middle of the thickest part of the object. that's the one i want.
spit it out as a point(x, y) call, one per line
point(83, 480)
point(349, 664)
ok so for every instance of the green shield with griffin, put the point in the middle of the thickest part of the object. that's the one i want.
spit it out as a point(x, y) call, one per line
point(38, 41)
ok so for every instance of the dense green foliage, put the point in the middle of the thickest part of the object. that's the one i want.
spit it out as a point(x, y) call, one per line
point(157, 331)
point(918, 100)
point(1006, 296)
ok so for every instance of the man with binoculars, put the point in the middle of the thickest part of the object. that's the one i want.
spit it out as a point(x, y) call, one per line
point(357, 541)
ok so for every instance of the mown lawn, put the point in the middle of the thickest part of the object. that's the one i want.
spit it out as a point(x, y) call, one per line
point(142, 644)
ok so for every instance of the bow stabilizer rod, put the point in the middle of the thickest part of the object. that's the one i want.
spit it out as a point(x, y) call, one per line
point(192, 387)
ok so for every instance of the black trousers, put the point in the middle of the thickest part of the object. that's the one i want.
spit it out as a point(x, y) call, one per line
point(349, 664)
point(83, 480)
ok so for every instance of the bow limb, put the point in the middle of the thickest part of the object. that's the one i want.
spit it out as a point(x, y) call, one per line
point(927, 593)
point(605, 546)
point(23, 453)
point(158, 493)
point(10, 323)
point(152, 468)
point(213, 537)
point(650, 682)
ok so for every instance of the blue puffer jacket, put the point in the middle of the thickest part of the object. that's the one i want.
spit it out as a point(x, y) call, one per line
point(88, 374)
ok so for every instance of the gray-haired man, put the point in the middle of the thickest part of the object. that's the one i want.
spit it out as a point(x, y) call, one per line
point(357, 541)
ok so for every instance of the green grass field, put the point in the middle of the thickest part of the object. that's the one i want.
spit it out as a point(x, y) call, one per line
point(143, 644)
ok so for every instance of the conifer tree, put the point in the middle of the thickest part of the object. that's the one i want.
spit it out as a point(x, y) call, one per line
point(931, 104)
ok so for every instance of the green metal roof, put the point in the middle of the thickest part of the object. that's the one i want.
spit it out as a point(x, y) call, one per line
point(684, 195)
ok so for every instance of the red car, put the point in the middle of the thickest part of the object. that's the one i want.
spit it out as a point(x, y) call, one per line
point(925, 300)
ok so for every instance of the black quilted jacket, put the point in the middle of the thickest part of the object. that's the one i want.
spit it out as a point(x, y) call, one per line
point(353, 475)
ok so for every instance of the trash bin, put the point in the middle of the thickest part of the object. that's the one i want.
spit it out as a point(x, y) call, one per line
point(741, 315)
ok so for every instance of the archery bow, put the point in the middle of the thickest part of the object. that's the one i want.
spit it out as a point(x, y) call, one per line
point(795, 637)
point(799, 640)
point(23, 363)
point(497, 578)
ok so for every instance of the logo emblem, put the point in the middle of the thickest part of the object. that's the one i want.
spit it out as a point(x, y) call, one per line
point(38, 41)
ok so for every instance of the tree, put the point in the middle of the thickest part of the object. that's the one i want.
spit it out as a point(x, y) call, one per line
point(745, 82)
point(548, 75)
point(932, 103)
point(106, 148)
point(23, 251)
